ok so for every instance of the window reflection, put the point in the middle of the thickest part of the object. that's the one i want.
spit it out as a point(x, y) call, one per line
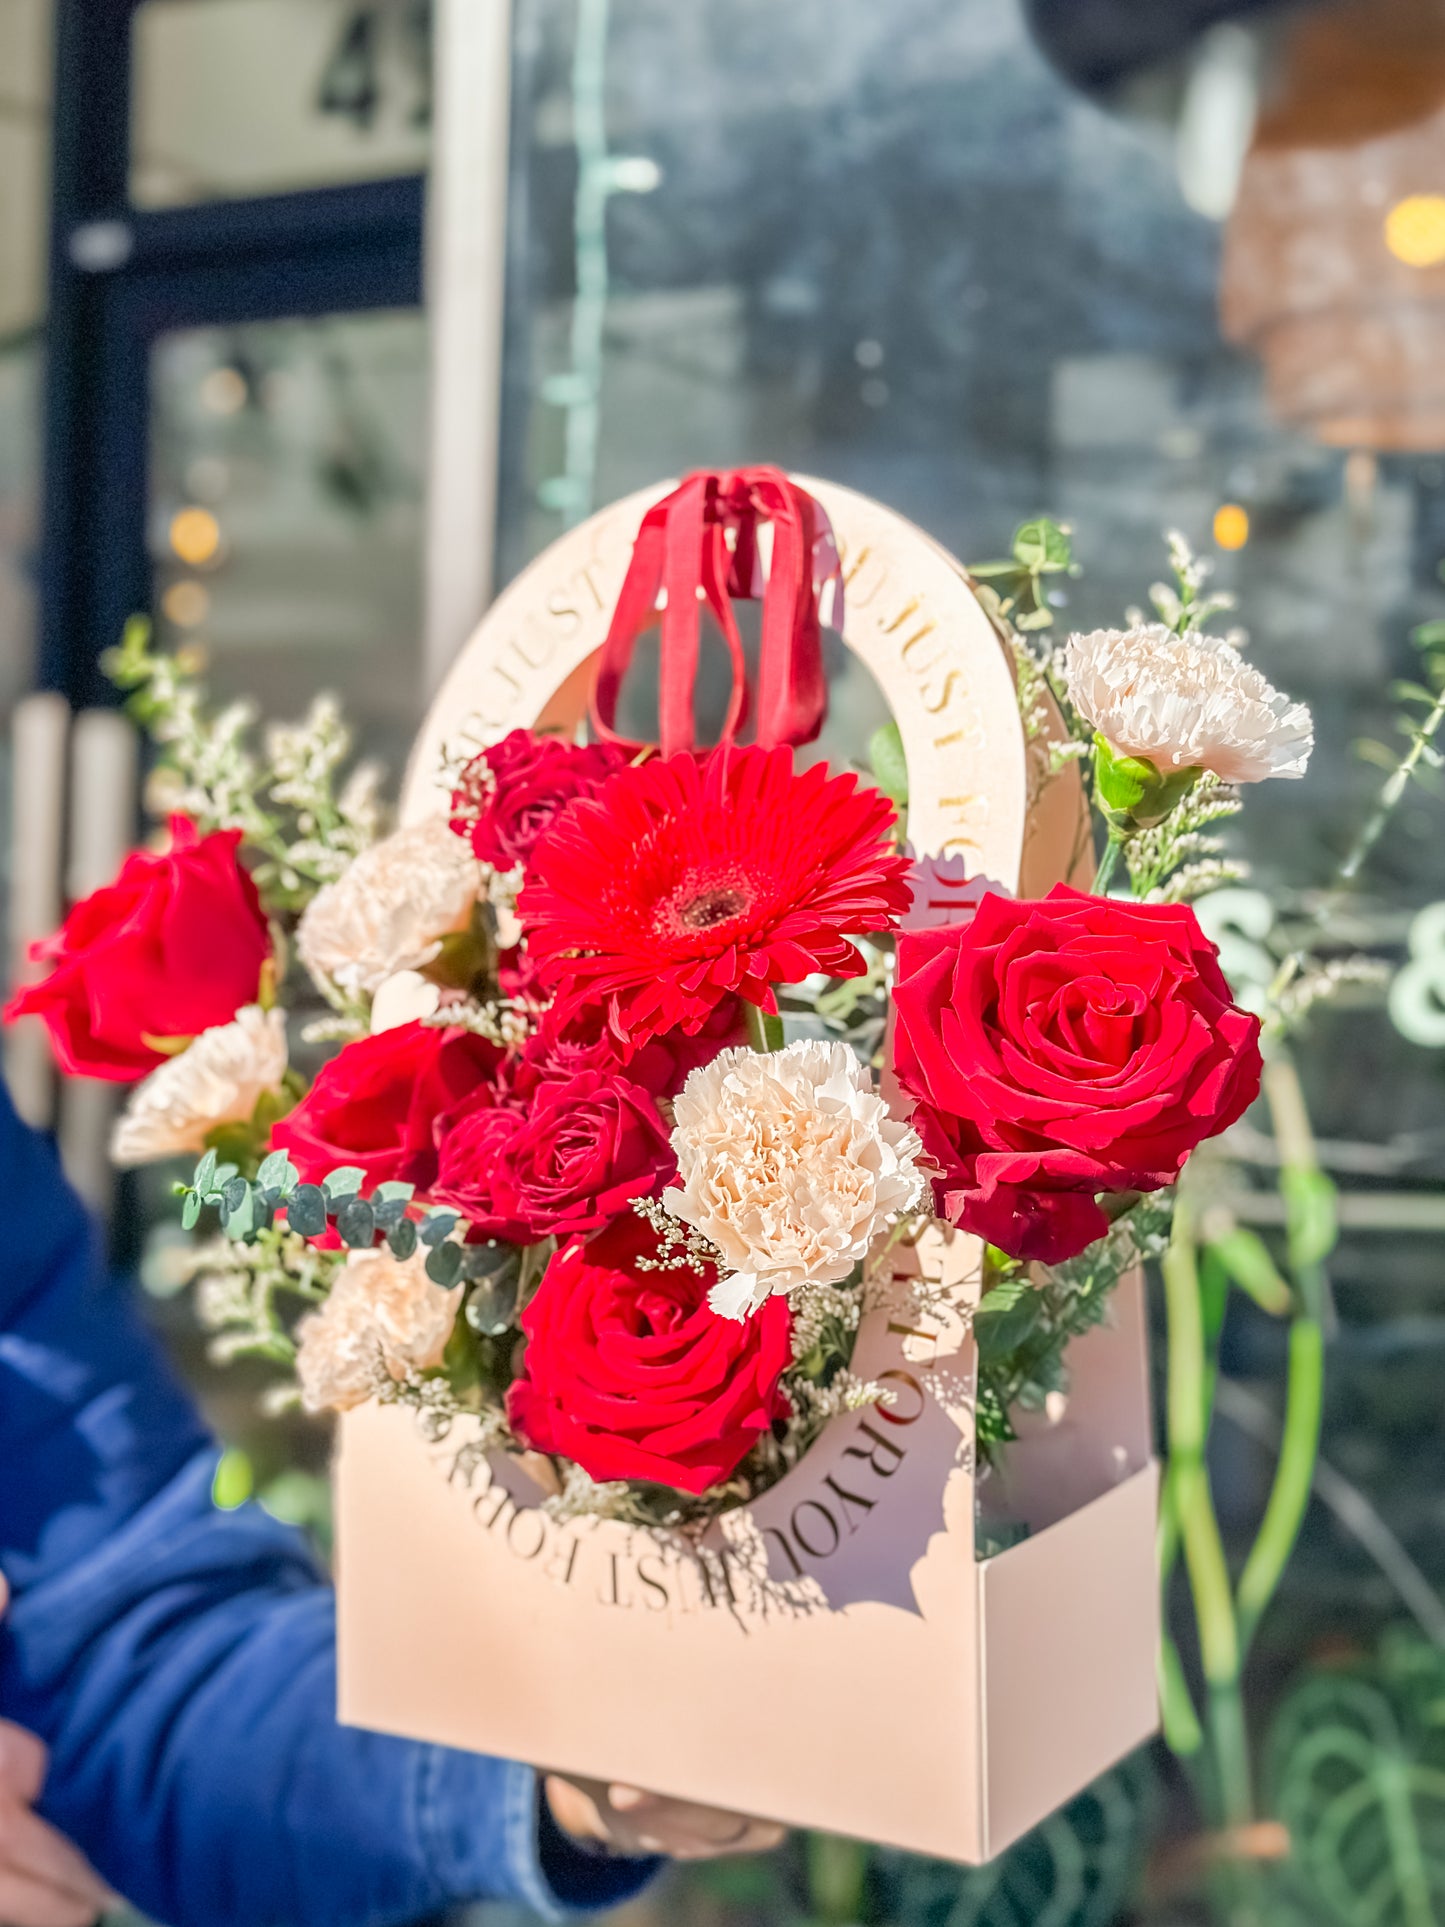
point(286, 512)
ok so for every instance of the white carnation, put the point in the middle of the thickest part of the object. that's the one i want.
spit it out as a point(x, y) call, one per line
point(215, 1080)
point(390, 908)
point(1185, 702)
point(790, 1164)
point(381, 1319)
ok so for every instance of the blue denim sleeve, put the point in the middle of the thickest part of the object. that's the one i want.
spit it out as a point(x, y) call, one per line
point(179, 1662)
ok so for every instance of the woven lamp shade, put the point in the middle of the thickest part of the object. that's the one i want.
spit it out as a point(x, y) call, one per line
point(1334, 257)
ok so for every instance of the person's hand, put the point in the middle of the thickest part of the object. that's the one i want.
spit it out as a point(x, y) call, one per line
point(43, 1880)
point(627, 1820)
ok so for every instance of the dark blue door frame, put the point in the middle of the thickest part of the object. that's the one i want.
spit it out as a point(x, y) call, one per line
point(119, 278)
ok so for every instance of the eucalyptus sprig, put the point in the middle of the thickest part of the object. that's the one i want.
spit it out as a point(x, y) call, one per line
point(246, 1207)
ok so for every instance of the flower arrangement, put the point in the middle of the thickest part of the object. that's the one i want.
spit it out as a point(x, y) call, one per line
point(608, 1146)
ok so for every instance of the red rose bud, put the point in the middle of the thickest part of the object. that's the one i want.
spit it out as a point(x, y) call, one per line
point(630, 1373)
point(1064, 1048)
point(173, 947)
point(506, 798)
point(375, 1104)
point(566, 1160)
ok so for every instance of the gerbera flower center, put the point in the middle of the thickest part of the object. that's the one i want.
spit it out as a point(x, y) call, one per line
point(697, 905)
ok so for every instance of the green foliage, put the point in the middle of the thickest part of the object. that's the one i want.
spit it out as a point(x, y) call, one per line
point(1132, 792)
point(300, 829)
point(1177, 860)
point(1005, 1317)
point(1355, 1768)
point(248, 1207)
point(1076, 1870)
point(1028, 1317)
point(1014, 589)
point(888, 762)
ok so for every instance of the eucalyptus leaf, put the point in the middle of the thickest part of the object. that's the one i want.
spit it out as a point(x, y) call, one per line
point(402, 1239)
point(356, 1224)
point(393, 1189)
point(492, 1306)
point(438, 1225)
point(306, 1210)
point(191, 1211)
point(239, 1220)
point(444, 1266)
point(234, 1193)
point(344, 1182)
point(277, 1173)
point(205, 1173)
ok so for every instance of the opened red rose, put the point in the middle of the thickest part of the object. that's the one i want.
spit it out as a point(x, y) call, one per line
point(507, 797)
point(1062, 1049)
point(630, 1373)
point(566, 1155)
point(173, 947)
point(375, 1104)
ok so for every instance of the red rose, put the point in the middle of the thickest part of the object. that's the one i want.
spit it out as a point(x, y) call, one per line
point(375, 1104)
point(173, 947)
point(630, 1373)
point(1061, 1049)
point(507, 796)
point(584, 1042)
point(565, 1156)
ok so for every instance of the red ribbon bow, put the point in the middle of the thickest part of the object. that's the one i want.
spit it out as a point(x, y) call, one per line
point(700, 544)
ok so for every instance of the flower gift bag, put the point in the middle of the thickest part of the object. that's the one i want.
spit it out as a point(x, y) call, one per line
point(904, 1631)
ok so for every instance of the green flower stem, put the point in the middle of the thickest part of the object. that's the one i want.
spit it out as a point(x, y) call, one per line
point(1199, 1529)
point(1304, 1385)
point(1294, 1476)
point(1108, 863)
point(765, 1028)
point(1386, 803)
point(1182, 1732)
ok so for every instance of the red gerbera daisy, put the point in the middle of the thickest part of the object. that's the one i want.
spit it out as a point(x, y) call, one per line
point(685, 880)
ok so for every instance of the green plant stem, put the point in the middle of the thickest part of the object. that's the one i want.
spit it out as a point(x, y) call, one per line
point(1108, 863)
point(765, 1028)
point(1386, 803)
point(1304, 1386)
point(1198, 1527)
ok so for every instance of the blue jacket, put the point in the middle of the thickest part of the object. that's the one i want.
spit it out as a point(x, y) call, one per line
point(179, 1662)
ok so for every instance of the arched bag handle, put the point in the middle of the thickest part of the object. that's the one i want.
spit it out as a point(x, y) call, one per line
point(700, 544)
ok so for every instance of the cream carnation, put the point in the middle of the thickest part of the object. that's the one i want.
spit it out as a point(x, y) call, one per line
point(1186, 702)
point(215, 1080)
point(382, 1319)
point(790, 1165)
point(390, 908)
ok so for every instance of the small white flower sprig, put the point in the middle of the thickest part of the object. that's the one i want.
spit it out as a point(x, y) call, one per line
point(302, 828)
point(1172, 706)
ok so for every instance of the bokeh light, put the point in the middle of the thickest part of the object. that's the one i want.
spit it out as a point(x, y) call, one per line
point(1231, 526)
point(195, 536)
point(1415, 230)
